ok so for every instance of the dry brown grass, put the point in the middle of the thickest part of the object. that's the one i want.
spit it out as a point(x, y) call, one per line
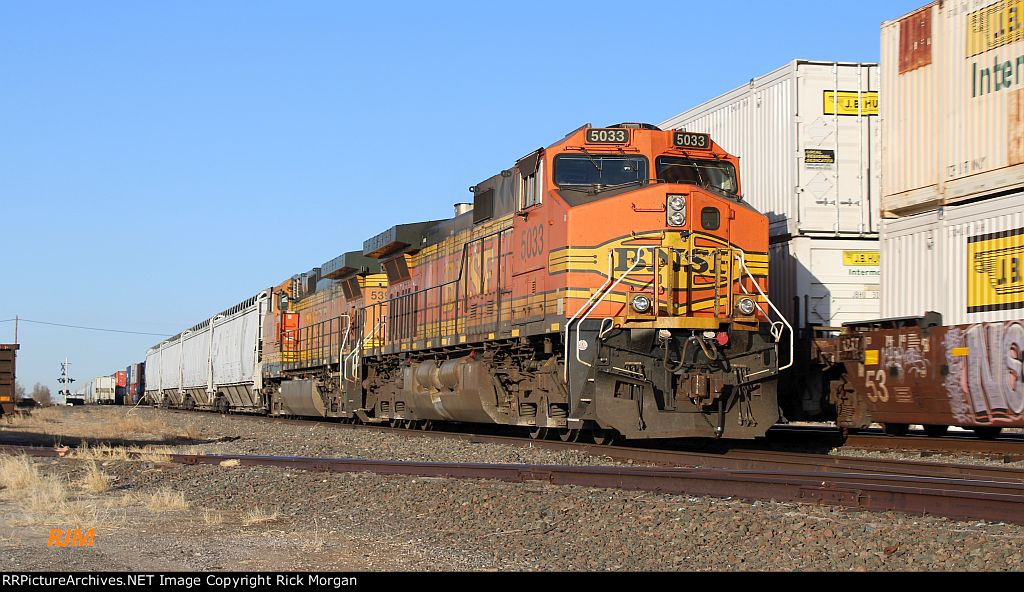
point(257, 515)
point(165, 500)
point(317, 542)
point(95, 480)
point(45, 499)
point(123, 453)
point(212, 517)
point(22, 480)
point(102, 424)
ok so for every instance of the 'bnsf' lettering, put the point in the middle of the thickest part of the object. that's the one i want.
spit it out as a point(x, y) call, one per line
point(699, 260)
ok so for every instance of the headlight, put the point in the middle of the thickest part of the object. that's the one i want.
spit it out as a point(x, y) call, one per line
point(641, 304)
point(675, 210)
point(746, 306)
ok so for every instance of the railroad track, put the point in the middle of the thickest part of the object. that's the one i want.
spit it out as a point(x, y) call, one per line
point(1008, 448)
point(994, 495)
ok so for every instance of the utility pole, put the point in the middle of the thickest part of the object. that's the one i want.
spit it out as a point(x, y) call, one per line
point(15, 329)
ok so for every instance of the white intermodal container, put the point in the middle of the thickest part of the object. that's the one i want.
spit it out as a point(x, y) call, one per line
point(964, 261)
point(825, 281)
point(952, 107)
point(807, 136)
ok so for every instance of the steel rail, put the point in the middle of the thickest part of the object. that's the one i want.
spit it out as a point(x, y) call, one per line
point(954, 498)
point(736, 455)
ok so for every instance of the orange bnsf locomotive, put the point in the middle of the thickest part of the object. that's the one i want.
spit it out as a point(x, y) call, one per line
point(611, 284)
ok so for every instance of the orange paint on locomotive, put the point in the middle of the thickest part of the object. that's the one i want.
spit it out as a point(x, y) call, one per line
point(543, 262)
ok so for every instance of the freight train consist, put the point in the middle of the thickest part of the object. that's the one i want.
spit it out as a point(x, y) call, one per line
point(124, 387)
point(610, 284)
point(615, 284)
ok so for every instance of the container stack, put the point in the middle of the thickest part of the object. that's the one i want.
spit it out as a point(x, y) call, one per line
point(953, 162)
point(807, 136)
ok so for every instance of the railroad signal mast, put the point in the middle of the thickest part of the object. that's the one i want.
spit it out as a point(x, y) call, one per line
point(65, 380)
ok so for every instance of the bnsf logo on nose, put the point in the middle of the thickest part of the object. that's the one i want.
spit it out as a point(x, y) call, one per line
point(699, 261)
point(70, 538)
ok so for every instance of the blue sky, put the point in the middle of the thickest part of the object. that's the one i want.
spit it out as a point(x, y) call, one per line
point(161, 161)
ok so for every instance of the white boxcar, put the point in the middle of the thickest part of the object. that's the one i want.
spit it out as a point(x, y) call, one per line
point(214, 363)
point(807, 138)
point(964, 261)
point(953, 104)
point(824, 281)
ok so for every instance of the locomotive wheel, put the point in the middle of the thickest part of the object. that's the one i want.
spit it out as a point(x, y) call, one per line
point(426, 425)
point(395, 423)
point(986, 432)
point(409, 424)
point(605, 437)
point(538, 433)
point(895, 429)
point(567, 435)
point(935, 431)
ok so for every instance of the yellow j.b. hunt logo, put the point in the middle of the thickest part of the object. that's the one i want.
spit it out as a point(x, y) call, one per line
point(995, 274)
point(683, 260)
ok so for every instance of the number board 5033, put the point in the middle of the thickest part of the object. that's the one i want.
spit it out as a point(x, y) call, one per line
point(691, 140)
point(607, 136)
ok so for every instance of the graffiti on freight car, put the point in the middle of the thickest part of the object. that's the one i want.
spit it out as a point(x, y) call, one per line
point(905, 356)
point(983, 379)
point(995, 277)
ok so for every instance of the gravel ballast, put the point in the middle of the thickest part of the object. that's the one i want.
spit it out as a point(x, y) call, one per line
point(369, 522)
point(266, 518)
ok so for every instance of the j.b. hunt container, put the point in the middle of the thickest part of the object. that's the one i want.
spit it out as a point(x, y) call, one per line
point(825, 282)
point(807, 137)
point(952, 108)
point(964, 261)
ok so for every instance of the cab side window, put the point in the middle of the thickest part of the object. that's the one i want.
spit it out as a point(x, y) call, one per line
point(530, 177)
point(530, 188)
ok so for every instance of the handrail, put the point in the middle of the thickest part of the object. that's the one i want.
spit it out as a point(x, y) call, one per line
point(358, 348)
point(632, 268)
point(611, 259)
point(776, 332)
point(344, 340)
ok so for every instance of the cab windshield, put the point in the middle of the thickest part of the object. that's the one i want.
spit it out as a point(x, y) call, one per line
point(717, 175)
point(594, 171)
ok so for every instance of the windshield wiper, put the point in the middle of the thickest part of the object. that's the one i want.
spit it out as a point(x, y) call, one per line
point(596, 188)
point(593, 160)
point(599, 188)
